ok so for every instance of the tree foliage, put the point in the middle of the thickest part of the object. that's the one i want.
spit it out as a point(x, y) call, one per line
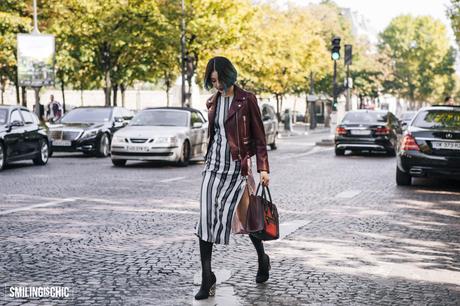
point(422, 60)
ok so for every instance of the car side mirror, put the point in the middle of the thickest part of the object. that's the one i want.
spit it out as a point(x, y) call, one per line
point(119, 119)
point(197, 125)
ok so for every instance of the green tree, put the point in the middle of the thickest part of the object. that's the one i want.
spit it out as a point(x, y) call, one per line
point(14, 19)
point(422, 60)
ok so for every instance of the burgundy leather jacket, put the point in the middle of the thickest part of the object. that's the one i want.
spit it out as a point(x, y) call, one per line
point(244, 129)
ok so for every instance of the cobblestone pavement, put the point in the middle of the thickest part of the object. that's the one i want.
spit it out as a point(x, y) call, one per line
point(124, 236)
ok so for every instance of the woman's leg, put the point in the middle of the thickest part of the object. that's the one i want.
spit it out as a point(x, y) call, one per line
point(205, 254)
point(208, 279)
point(263, 260)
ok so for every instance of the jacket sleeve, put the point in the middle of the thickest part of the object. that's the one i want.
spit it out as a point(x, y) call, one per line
point(258, 134)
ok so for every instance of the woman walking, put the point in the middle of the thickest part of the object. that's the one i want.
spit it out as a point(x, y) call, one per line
point(236, 133)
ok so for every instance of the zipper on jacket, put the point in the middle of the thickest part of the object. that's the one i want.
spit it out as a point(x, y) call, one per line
point(238, 135)
point(244, 125)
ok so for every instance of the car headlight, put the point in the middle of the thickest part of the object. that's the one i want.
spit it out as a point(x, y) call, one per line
point(166, 140)
point(119, 139)
point(89, 133)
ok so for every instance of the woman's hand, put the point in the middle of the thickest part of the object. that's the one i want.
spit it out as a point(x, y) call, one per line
point(264, 178)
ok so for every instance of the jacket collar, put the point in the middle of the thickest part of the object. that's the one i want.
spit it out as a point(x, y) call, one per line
point(239, 95)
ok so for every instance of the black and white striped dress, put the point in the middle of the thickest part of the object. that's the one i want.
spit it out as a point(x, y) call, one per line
point(222, 186)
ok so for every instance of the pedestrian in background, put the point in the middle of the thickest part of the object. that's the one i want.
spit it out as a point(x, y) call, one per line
point(53, 110)
point(41, 115)
point(236, 132)
point(449, 100)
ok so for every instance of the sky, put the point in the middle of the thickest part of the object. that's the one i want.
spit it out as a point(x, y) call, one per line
point(380, 12)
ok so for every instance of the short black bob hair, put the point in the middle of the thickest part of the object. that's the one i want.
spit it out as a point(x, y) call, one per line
point(225, 70)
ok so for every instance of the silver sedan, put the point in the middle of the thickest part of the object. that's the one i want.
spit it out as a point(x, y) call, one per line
point(162, 134)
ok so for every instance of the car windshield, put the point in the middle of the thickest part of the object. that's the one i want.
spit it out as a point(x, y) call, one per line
point(364, 117)
point(438, 119)
point(87, 115)
point(408, 116)
point(3, 116)
point(160, 118)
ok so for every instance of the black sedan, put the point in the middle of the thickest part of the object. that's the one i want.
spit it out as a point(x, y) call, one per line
point(431, 145)
point(88, 129)
point(22, 137)
point(368, 130)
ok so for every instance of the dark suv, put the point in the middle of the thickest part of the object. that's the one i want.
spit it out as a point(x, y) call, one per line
point(431, 145)
point(22, 136)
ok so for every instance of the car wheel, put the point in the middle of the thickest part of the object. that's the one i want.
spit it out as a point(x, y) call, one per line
point(402, 178)
point(119, 162)
point(273, 144)
point(43, 155)
point(103, 146)
point(2, 157)
point(339, 152)
point(185, 155)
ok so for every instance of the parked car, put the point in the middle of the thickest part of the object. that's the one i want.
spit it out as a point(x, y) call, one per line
point(368, 130)
point(88, 129)
point(431, 145)
point(22, 137)
point(162, 134)
point(406, 118)
point(270, 125)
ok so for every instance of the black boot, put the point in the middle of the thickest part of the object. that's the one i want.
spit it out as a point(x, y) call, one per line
point(208, 280)
point(207, 289)
point(264, 266)
point(263, 259)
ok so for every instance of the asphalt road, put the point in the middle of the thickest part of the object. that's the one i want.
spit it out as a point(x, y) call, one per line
point(124, 236)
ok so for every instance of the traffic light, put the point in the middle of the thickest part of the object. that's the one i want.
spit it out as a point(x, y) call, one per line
point(348, 54)
point(334, 106)
point(335, 50)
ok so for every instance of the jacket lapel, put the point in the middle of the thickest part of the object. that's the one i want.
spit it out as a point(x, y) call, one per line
point(238, 97)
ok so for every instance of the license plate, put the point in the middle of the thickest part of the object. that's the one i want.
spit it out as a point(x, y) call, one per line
point(137, 149)
point(446, 145)
point(360, 132)
point(62, 143)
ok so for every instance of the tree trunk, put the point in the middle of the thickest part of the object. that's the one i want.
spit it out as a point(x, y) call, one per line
point(2, 89)
point(168, 88)
point(107, 88)
point(18, 95)
point(115, 91)
point(278, 107)
point(122, 90)
point(24, 96)
point(63, 96)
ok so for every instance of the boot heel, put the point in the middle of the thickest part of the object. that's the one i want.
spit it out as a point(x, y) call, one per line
point(212, 290)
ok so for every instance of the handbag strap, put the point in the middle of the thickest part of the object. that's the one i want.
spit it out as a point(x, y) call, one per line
point(263, 192)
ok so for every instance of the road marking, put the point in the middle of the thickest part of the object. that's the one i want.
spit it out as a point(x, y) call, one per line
point(47, 204)
point(173, 179)
point(289, 227)
point(348, 194)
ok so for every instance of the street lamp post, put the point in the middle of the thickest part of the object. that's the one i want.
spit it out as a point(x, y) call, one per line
point(182, 58)
point(36, 88)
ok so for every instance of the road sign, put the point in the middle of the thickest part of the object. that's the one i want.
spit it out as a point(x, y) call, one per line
point(35, 60)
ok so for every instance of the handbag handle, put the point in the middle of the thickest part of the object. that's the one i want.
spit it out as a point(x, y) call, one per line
point(263, 192)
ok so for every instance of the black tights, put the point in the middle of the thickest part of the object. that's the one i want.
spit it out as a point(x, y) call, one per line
point(258, 244)
point(206, 253)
